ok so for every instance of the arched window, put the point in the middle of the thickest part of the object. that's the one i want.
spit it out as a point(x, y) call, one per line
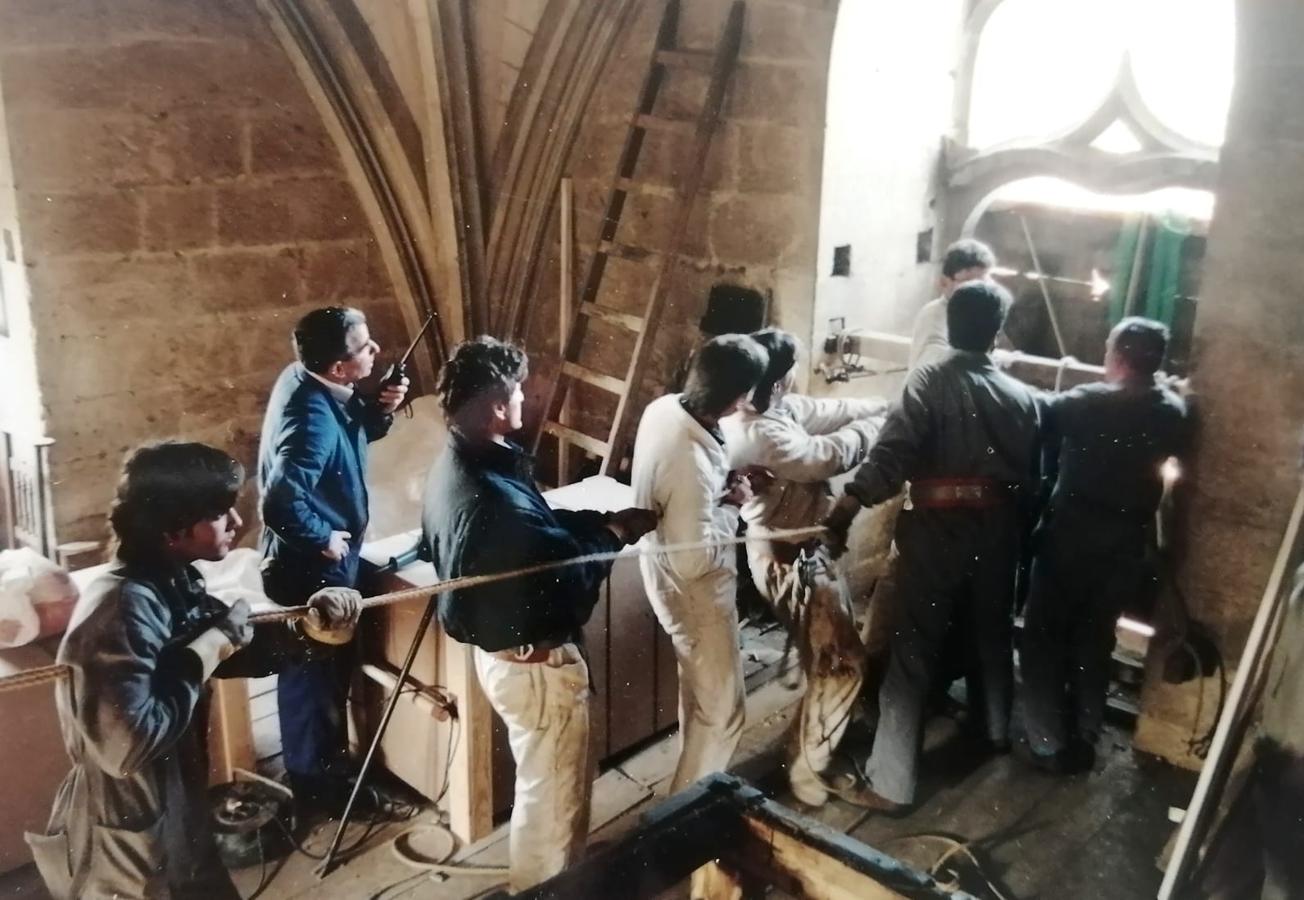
point(1133, 74)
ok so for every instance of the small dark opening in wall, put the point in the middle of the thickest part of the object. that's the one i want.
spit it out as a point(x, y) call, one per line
point(842, 260)
point(10, 255)
point(924, 246)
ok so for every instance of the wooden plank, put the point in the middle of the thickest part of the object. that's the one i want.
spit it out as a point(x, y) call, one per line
point(632, 634)
point(260, 686)
point(596, 633)
point(263, 705)
point(624, 320)
point(591, 444)
point(470, 794)
point(230, 731)
point(715, 881)
point(802, 869)
point(1250, 672)
point(723, 818)
point(597, 379)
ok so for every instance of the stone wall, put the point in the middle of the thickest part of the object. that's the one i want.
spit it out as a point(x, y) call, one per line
point(180, 206)
point(1248, 360)
point(756, 220)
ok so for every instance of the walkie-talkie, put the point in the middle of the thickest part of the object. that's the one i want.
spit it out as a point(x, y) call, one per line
point(398, 371)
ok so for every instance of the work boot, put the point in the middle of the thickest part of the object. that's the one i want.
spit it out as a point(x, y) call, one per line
point(858, 792)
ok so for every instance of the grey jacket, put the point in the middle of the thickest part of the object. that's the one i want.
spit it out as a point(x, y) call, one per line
point(131, 819)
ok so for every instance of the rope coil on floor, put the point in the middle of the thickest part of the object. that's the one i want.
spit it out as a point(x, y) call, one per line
point(34, 677)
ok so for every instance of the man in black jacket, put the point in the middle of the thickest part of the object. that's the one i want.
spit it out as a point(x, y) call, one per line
point(1106, 444)
point(483, 514)
point(965, 436)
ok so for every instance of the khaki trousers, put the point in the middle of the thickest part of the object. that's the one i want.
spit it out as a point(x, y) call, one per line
point(545, 707)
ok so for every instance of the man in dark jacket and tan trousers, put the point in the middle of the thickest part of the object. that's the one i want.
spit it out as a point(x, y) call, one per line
point(965, 436)
point(483, 514)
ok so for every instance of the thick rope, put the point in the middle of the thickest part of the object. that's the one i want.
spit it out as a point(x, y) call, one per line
point(33, 677)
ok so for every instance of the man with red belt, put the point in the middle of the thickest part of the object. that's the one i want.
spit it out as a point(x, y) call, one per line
point(965, 436)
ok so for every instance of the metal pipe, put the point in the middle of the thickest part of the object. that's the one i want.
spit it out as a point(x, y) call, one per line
point(1045, 291)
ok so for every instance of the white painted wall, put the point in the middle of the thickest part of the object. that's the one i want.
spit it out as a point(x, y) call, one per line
point(20, 402)
point(891, 82)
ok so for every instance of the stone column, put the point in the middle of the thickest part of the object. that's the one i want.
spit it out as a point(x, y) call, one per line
point(1248, 364)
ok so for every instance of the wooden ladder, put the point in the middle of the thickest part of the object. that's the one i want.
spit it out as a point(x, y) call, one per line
point(666, 58)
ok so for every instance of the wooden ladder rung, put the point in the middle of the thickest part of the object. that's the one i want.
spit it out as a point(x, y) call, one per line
point(597, 379)
point(661, 123)
point(627, 251)
point(698, 60)
point(578, 438)
point(627, 321)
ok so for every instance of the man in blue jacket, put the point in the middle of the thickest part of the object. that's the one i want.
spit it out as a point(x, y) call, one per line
point(483, 514)
point(312, 464)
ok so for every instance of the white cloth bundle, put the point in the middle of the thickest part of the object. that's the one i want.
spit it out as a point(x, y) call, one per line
point(36, 597)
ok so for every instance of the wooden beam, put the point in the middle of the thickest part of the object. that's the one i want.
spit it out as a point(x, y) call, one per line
point(802, 868)
point(470, 786)
point(735, 839)
point(230, 730)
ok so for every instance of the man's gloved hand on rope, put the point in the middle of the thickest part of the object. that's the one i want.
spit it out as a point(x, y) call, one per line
point(332, 615)
point(235, 624)
point(631, 524)
point(837, 523)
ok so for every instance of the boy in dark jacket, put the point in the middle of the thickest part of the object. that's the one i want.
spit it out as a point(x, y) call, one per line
point(483, 514)
point(131, 819)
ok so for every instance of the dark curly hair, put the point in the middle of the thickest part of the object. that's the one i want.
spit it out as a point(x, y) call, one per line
point(169, 487)
point(479, 366)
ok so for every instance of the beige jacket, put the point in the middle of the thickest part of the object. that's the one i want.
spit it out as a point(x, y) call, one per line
point(804, 442)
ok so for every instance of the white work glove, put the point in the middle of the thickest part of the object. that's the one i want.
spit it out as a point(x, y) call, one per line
point(332, 615)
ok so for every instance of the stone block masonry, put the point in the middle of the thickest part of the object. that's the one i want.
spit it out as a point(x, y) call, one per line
point(180, 206)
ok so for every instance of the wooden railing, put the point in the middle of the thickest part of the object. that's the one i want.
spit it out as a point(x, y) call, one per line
point(29, 521)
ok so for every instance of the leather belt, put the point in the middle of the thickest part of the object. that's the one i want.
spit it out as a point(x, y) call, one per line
point(527, 653)
point(959, 493)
